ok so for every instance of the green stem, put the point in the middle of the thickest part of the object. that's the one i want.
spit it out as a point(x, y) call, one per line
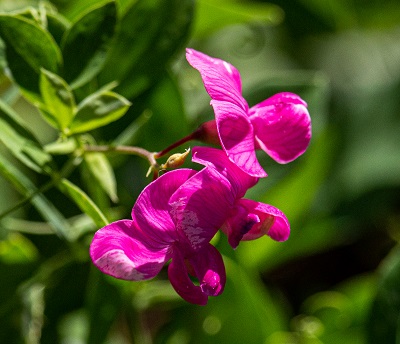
point(138, 151)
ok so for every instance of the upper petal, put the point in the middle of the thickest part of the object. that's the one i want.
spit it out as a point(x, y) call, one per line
point(221, 79)
point(251, 220)
point(282, 126)
point(217, 159)
point(200, 206)
point(151, 210)
point(237, 137)
point(122, 250)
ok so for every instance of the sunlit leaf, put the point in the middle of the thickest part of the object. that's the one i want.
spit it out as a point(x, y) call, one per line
point(93, 31)
point(97, 110)
point(101, 170)
point(58, 99)
point(158, 28)
point(83, 201)
point(26, 187)
point(28, 48)
point(214, 15)
point(17, 249)
point(16, 136)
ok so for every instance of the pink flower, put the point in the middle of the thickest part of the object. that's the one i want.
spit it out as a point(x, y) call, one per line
point(279, 125)
point(247, 219)
point(164, 227)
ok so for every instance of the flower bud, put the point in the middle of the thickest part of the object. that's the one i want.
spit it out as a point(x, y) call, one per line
point(176, 160)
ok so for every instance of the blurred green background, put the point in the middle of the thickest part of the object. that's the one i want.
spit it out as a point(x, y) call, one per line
point(337, 278)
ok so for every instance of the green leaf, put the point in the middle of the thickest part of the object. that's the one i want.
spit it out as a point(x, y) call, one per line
point(83, 201)
point(17, 249)
point(214, 15)
point(100, 168)
point(149, 34)
point(21, 142)
point(97, 110)
point(28, 49)
point(47, 210)
point(93, 31)
point(58, 99)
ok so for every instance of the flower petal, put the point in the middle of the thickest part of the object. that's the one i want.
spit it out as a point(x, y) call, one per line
point(121, 250)
point(221, 79)
point(250, 220)
point(217, 159)
point(200, 206)
point(180, 281)
point(209, 269)
point(151, 210)
point(237, 137)
point(282, 126)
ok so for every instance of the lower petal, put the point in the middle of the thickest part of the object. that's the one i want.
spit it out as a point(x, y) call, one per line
point(180, 281)
point(210, 270)
point(121, 250)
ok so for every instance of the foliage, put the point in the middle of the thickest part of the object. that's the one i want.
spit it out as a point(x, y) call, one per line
point(111, 73)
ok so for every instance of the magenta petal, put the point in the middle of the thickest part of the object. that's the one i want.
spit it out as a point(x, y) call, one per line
point(251, 220)
point(237, 137)
point(180, 281)
point(273, 222)
point(217, 159)
point(221, 79)
point(121, 250)
point(282, 126)
point(200, 206)
point(209, 269)
point(239, 224)
point(151, 210)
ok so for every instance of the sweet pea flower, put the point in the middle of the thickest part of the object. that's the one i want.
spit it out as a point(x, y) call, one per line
point(279, 125)
point(174, 217)
point(247, 219)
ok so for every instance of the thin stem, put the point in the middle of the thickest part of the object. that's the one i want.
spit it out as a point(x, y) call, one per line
point(178, 143)
point(138, 151)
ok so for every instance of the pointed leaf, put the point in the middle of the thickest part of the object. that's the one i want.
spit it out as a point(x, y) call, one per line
point(28, 48)
point(93, 31)
point(101, 169)
point(24, 185)
point(20, 141)
point(83, 201)
point(149, 33)
point(58, 99)
point(97, 110)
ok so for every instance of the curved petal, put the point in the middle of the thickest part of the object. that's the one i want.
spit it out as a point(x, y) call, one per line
point(237, 137)
point(221, 79)
point(151, 210)
point(209, 269)
point(200, 206)
point(282, 126)
point(180, 281)
point(217, 159)
point(251, 220)
point(121, 250)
